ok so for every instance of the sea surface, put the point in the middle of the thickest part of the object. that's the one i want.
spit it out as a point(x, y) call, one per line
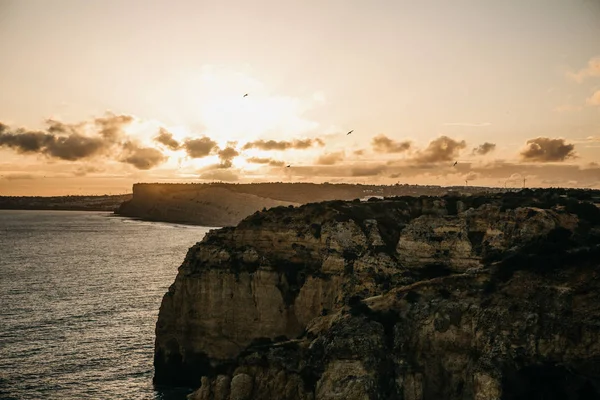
point(79, 300)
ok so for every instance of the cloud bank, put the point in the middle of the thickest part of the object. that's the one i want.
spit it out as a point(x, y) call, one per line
point(283, 145)
point(544, 149)
point(269, 161)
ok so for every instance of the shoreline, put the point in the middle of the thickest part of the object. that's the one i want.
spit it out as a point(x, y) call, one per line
point(55, 209)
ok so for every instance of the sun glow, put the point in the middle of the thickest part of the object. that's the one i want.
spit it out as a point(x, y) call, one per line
point(214, 98)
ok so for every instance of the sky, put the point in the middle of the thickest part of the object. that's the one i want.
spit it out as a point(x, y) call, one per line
point(97, 95)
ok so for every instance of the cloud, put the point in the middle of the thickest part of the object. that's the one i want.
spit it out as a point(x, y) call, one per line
point(471, 124)
point(359, 152)
point(220, 175)
point(166, 138)
point(198, 148)
point(66, 141)
point(71, 142)
point(111, 125)
point(383, 144)
point(485, 148)
point(368, 170)
point(543, 149)
point(494, 173)
point(226, 156)
point(595, 99)
point(74, 147)
point(270, 161)
point(590, 70)
point(440, 150)
point(17, 177)
point(283, 145)
point(141, 157)
point(331, 158)
point(84, 170)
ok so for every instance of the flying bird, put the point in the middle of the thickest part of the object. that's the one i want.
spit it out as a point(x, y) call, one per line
point(455, 162)
point(289, 165)
point(350, 132)
point(246, 95)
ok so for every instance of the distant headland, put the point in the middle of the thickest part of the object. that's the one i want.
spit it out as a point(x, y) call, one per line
point(64, 203)
point(226, 204)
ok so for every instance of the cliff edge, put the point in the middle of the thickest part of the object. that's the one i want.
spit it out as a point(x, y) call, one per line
point(493, 297)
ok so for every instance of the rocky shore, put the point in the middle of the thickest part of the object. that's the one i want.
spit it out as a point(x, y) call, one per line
point(479, 297)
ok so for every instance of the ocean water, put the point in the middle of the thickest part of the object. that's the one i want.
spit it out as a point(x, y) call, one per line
point(79, 299)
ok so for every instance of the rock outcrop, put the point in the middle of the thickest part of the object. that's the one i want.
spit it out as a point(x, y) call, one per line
point(493, 297)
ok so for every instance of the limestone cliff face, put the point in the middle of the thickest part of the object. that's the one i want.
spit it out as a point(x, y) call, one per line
point(403, 298)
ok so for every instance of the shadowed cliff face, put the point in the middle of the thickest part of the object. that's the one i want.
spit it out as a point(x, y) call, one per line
point(405, 298)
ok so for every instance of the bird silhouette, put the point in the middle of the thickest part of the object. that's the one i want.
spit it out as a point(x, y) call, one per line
point(289, 165)
point(455, 162)
point(246, 95)
point(350, 132)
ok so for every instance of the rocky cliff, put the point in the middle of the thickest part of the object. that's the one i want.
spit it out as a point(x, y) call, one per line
point(491, 297)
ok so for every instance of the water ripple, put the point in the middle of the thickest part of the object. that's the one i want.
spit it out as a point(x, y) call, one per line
point(79, 298)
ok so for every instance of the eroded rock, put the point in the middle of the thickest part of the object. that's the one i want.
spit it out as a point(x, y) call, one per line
point(407, 298)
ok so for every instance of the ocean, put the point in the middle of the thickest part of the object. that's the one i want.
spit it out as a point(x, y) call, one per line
point(79, 300)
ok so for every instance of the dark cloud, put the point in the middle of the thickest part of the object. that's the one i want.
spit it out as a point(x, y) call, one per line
point(283, 145)
point(166, 138)
point(270, 161)
point(111, 125)
point(73, 147)
point(396, 175)
point(225, 175)
point(440, 150)
point(60, 128)
point(331, 158)
point(544, 149)
point(141, 157)
point(383, 144)
point(226, 156)
point(483, 149)
point(198, 148)
point(24, 142)
point(66, 141)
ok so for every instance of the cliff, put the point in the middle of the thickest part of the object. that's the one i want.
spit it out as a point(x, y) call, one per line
point(223, 204)
point(202, 205)
point(492, 297)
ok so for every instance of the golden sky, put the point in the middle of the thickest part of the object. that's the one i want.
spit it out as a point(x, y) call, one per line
point(99, 94)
